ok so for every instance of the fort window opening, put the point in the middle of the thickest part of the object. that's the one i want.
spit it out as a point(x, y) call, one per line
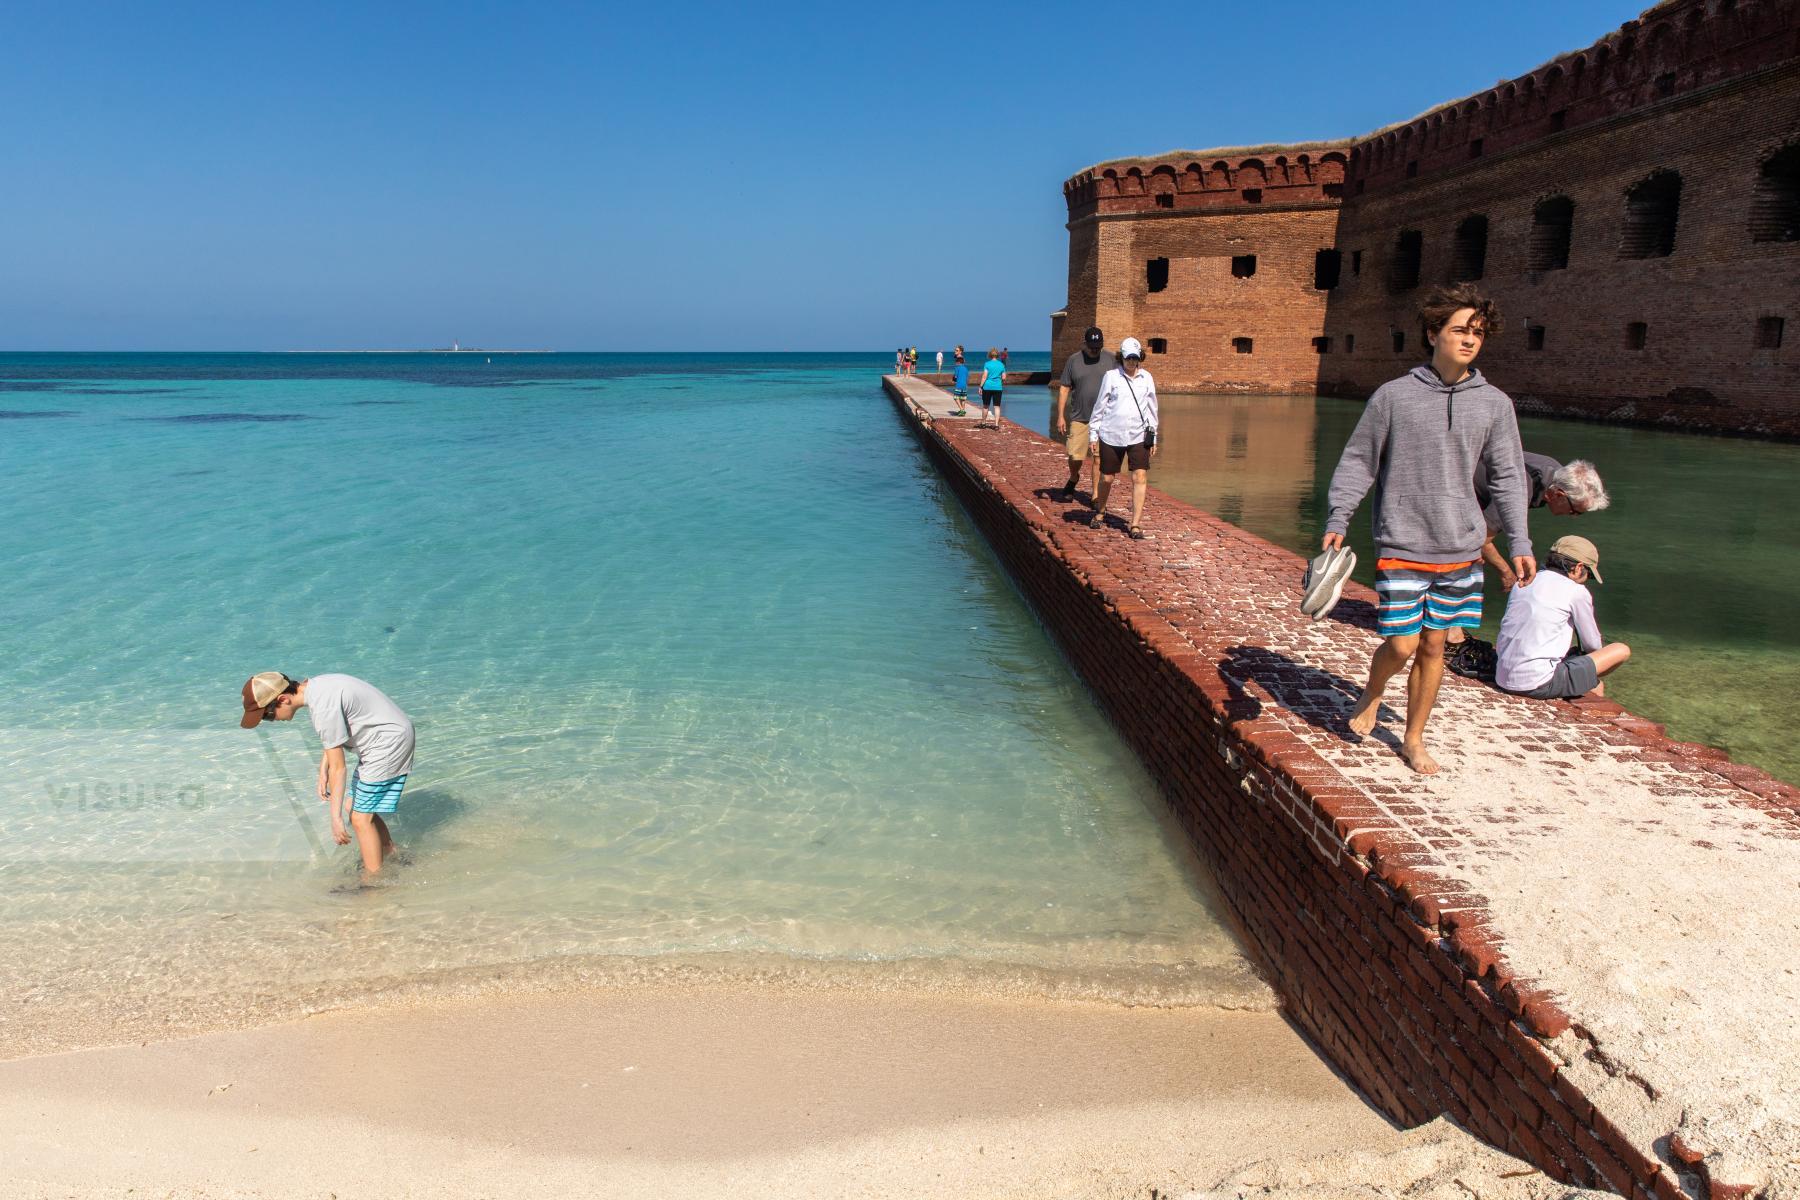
point(1241, 345)
point(1322, 345)
point(1403, 271)
point(1412, 169)
point(1327, 266)
point(1559, 120)
point(1551, 222)
point(1243, 266)
point(1356, 262)
point(1399, 342)
point(1775, 204)
point(1252, 195)
point(1159, 345)
point(1156, 274)
point(1665, 84)
point(1651, 209)
point(1636, 334)
point(1468, 254)
point(1165, 199)
point(1475, 148)
point(1768, 332)
point(1349, 343)
point(1534, 337)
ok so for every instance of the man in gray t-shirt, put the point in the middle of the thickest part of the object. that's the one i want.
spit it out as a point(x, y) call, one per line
point(346, 713)
point(1076, 392)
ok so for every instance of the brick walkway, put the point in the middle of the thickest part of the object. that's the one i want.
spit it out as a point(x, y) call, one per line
point(1637, 899)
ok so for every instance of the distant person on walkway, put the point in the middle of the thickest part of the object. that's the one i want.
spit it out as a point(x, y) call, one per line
point(960, 392)
point(993, 380)
point(1124, 423)
point(940, 369)
point(345, 712)
point(1417, 445)
point(900, 362)
point(1076, 392)
point(912, 360)
point(1003, 356)
point(1533, 647)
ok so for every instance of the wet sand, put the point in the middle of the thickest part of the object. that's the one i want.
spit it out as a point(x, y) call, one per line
point(726, 1089)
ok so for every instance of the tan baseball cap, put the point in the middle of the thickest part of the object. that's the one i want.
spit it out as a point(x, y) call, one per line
point(260, 691)
point(1576, 548)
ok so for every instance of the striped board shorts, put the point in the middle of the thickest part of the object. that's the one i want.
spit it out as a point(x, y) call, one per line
point(1417, 595)
point(382, 797)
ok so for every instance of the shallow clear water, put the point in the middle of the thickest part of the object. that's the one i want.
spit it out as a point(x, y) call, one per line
point(1700, 549)
point(703, 658)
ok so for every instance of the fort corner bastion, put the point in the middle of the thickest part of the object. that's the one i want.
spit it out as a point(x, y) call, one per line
point(1633, 206)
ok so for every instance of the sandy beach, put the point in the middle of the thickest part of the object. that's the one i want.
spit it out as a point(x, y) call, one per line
point(726, 1089)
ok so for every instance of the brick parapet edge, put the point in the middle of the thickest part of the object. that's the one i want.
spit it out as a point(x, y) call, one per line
point(1391, 969)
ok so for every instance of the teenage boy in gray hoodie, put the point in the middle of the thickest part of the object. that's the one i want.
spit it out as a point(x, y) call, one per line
point(1418, 444)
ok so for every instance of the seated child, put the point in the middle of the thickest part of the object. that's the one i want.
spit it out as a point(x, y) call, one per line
point(1533, 647)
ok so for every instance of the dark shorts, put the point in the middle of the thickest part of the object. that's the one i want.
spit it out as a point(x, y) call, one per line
point(1112, 457)
point(1574, 676)
point(991, 396)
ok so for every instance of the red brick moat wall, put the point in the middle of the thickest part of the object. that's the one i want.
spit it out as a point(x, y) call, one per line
point(1406, 994)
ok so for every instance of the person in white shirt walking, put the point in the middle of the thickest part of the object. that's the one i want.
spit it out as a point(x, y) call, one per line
point(1124, 423)
point(1533, 646)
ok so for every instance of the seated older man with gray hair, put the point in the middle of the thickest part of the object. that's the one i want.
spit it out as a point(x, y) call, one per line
point(1567, 491)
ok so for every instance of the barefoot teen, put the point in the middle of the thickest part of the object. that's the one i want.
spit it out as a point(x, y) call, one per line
point(1418, 444)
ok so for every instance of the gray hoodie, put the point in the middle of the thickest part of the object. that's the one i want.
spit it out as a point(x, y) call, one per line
point(1418, 444)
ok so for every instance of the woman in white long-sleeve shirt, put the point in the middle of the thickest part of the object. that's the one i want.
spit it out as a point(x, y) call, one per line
point(1124, 423)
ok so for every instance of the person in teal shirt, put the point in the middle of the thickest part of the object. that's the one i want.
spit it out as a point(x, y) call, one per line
point(993, 379)
point(961, 392)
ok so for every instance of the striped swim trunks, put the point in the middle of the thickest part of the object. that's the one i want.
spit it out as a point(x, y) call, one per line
point(382, 797)
point(1417, 595)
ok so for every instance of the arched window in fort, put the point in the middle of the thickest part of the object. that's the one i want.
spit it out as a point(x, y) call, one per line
point(1468, 252)
point(1156, 274)
point(1219, 176)
point(1403, 269)
point(1551, 222)
point(1775, 204)
point(1328, 265)
point(1652, 207)
point(1329, 173)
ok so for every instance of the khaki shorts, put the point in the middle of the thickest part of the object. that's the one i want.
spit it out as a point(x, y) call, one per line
point(1077, 442)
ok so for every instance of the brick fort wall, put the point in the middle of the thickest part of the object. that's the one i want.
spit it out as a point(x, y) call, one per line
point(1634, 207)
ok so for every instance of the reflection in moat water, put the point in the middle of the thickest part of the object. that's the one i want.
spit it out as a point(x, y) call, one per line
point(1701, 551)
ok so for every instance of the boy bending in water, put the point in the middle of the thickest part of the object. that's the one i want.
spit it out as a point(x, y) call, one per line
point(345, 712)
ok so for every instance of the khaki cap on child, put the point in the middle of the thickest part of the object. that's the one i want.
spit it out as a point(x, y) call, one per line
point(1576, 548)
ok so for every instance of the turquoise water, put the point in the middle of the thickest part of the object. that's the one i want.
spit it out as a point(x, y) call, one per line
point(1700, 548)
point(704, 662)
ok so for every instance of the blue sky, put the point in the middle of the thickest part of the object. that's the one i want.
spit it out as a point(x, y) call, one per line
point(650, 177)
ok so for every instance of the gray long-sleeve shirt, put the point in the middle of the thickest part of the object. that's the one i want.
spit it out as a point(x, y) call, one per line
point(1417, 445)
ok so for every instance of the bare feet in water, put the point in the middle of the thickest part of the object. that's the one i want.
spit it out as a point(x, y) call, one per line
point(1418, 758)
point(1362, 717)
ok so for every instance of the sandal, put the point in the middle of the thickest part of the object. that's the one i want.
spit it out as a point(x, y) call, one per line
point(1137, 535)
point(1097, 521)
